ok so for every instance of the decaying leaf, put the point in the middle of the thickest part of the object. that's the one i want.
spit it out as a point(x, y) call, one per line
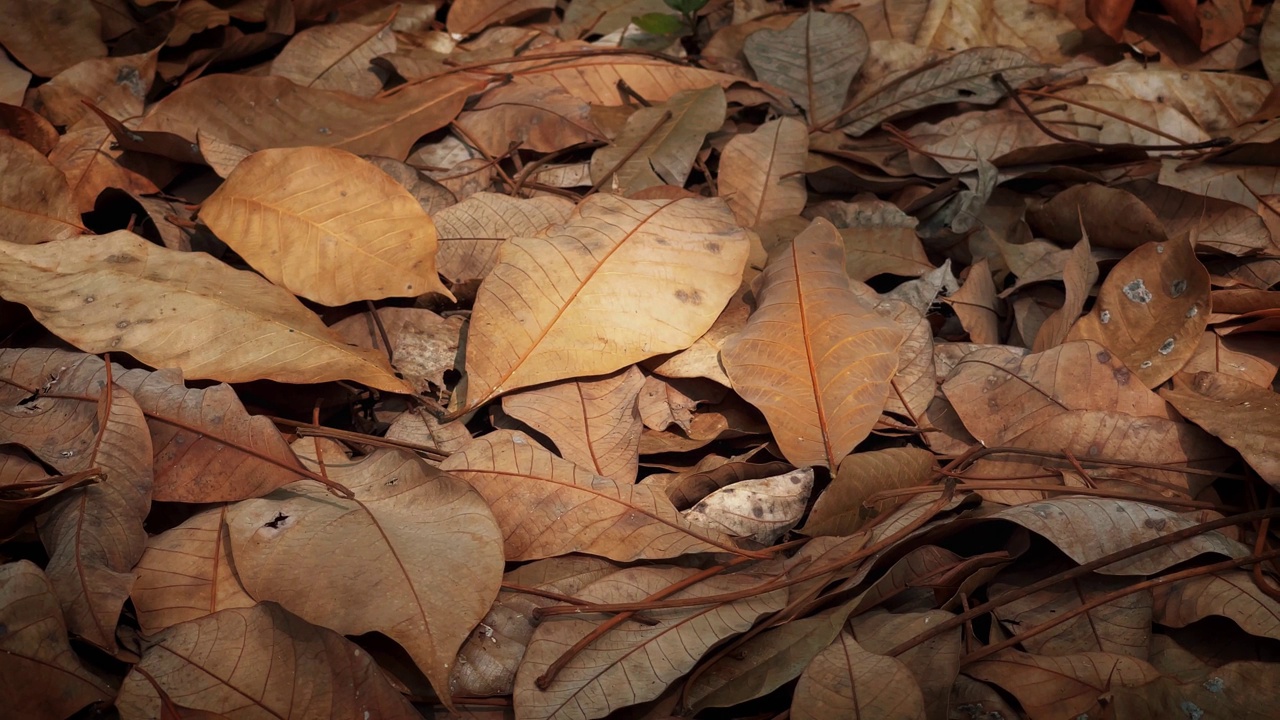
point(763, 509)
point(659, 144)
point(814, 59)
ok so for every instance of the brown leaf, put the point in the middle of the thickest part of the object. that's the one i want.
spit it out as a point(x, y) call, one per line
point(94, 535)
point(1079, 275)
point(814, 60)
point(49, 36)
point(547, 506)
point(657, 274)
point(260, 660)
point(326, 225)
point(422, 537)
point(702, 358)
point(539, 118)
point(712, 472)
point(472, 231)
point(659, 144)
point(975, 305)
point(1241, 414)
point(1001, 396)
point(267, 112)
point(117, 293)
point(847, 681)
point(117, 86)
point(1066, 686)
point(813, 357)
point(1217, 224)
point(1230, 593)
point(640, 660)
point(839, 510)
point(965, 76)
point(186, 574)
point(761, 172)
point(207, 448)
point(1151, 310)
point(40, 676)
point(594, 423)
point(36, 204)
point(471, 16)
point(336, 57)
point(1121, 626)
point(488, 660)
point(878, 238)
point(934, 663)
point(1109, 217)
point(90, 166)
point(605, 16)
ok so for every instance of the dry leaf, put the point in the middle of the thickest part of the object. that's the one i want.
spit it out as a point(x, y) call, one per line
point(471, 16)
point(656, 274)
point(422, 537)
point(260, 661)
point(813, 357)
point(547, 506)
point(472, 231)
point(760, 172)
point(49, 36)
point(165, 308)
point(326, 225)
point(840, 509)
point(813, 60)
point(1079, 275)
point(762, 509)
point(424, 346)
point(336, 57)
point(36, 204)
point(847, 681)
point(660, 143)
point(1241, 414)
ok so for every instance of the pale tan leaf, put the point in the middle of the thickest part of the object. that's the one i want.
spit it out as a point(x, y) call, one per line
point(326, 225)
point(913, 385)
point(1000, 396)
point(116, 86)
point(40, 675)
point(336, 57)
point(965, 76)
point(547, 506)
point(1151, 310)
point(186, 573)
point(1241, 414)
point(975, 305)
point(489, 658)
point(265, 112)
point(36, 204)
point(1222, 182)
point(86, 156)
point(260, 662)
point(656, 274)
point(702, 358)
point(659, 144)
point(639, 660)
point(839, 510)
point(118, 293)
point(1216, 101)
point(424, 429)
point(424, 346)
point(813, 357)
point(1079, 275)
point(536, 117)
point(813, 60)
point(761, 172)
point(593, 422)
point(1031, 27)
point(424, 539)
point(878, 238)
point(847, 681)
point(472, 231)
point(762, 509)
point(94, 535)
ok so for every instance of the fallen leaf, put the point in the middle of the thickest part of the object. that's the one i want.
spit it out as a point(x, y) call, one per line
point(126, 305)
point(547, 506)
point(1079, 275)
point(847, 681)
point(1241, 414)
point(594, 423)
point(471, 16)
point(1066, 686)
point(813, 357)
point(326, 225)
point(1150, 310)
point(116, 86)
point(975, 304)
point(1119, 626)
point(659, 144)
point(763, 509)
point(336, 57)
point(472, 231)
point(49, 36)
point(424, 346)
point(840, 509)
point(423, 537)
point(40, 675)
point(260, 660)
point(814, 60)
point(36, 204)
point(760, 172)
point(1231, 594)
point(657, 274)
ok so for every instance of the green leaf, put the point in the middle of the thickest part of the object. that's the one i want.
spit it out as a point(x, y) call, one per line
point(659, 23)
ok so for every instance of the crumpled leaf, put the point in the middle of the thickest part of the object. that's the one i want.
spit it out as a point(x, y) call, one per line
point(471, 16)
point(260, 661)
point(657, 274)
point(424, 538)
point(639, 660)
point(839, 510)
point(547, 506)
point(594, 423)
point(763, 509)
point(178, 309)
point(424, 346)
point(814, 60)
point(326, 225)
point(813, 357)
point(1120, 626)
point(40, 676)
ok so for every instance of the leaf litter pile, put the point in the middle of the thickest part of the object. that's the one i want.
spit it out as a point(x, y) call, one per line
point(639, 359)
